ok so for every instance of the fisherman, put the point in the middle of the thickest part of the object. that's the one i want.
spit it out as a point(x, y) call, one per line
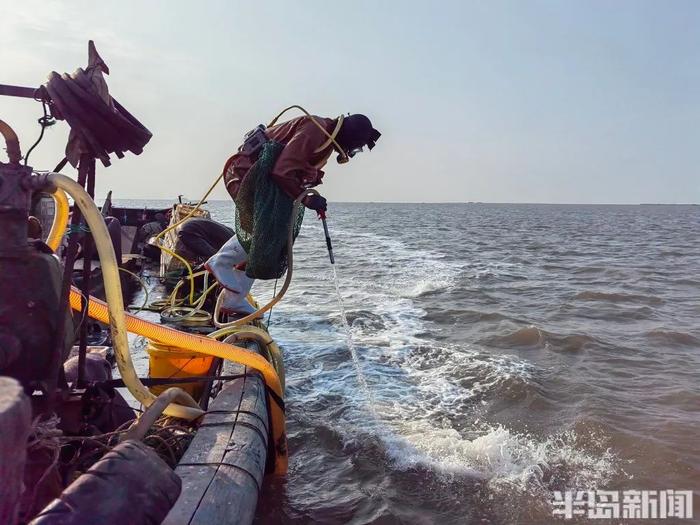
point(308, 143)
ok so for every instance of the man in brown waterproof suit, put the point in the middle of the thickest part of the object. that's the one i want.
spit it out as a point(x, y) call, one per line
point(308, 143)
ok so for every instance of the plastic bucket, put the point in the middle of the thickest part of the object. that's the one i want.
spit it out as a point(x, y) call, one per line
point(167, 361)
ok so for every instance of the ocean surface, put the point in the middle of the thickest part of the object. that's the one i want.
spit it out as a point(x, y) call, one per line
point(508, 351)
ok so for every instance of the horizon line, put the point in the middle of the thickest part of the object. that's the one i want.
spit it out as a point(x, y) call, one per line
point(449, 202)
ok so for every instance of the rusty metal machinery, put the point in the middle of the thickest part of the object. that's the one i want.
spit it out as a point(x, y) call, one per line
point(30, 281)
point(30, 304)
point(76, 413)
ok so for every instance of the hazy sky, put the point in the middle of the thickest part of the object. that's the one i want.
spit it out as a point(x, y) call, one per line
point(523, 101)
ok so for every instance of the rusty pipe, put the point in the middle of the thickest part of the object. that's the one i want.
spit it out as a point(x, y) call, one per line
point(20, 91)
point(11, 143)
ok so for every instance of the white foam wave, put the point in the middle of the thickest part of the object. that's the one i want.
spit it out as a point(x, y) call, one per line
point(506, 459)
point(423, 286)
point(412, 272)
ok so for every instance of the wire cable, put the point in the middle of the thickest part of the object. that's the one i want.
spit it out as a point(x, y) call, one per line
point(45, 121)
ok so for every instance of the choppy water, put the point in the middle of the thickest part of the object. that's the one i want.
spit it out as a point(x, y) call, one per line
point(510, 350)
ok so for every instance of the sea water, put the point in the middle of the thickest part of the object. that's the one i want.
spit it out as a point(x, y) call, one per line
point(512, 351)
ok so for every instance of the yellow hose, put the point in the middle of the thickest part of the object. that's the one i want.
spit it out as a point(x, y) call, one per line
point(154, 242)
point(115, 315)
point(143, 287)
point(331, 137)
point(174, 312)
point(203, 345)
point(120, 322)
point(139, 429)
point(60, 219)
point(251, 333)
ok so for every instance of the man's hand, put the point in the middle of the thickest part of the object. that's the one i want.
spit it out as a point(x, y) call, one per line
point(316, 202)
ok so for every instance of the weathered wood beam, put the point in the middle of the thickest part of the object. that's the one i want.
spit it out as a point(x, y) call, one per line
point(223, 468)
point(15, 423)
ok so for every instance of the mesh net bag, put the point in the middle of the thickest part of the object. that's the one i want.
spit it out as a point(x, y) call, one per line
point(263, 212)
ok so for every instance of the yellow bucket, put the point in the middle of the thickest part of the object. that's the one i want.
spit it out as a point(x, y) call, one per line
point(167, 361)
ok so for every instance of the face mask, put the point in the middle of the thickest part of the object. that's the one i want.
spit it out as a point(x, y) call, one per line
point(355, 151)
point(342, 159)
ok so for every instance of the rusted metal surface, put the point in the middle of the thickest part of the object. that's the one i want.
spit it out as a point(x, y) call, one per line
point(29, 307)
point(15, 200)
point(29, 319)
point(18, 91)
point(14, 154)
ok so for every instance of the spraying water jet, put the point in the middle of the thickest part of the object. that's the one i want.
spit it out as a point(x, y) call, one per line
point(361, 379)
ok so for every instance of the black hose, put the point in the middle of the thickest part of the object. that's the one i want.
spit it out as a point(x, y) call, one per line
point(45, 121)
point(102, 129)
point(328, 239)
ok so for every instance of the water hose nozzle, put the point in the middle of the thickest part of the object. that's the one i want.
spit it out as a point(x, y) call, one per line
point(322, 216)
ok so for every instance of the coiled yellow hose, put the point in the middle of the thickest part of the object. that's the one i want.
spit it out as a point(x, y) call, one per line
point(174, 312)
point(251, 333)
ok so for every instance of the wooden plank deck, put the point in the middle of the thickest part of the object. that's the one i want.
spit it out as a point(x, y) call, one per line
point(223, 469)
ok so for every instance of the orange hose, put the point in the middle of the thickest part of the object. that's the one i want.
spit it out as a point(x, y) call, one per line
point(204, 345)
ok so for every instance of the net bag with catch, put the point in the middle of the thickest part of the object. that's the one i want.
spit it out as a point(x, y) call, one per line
point(263, 212)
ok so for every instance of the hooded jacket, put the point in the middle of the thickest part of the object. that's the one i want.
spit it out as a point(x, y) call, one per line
point(299, 165)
